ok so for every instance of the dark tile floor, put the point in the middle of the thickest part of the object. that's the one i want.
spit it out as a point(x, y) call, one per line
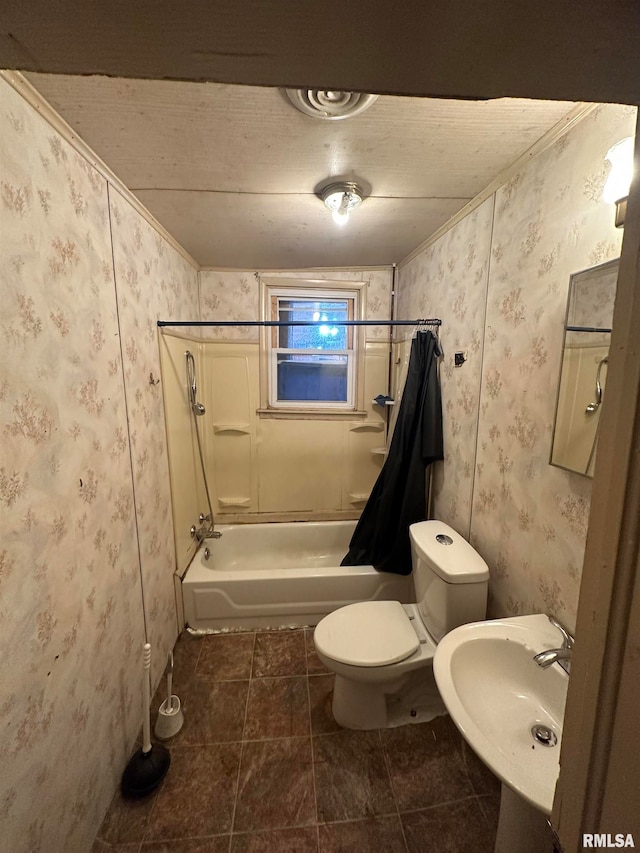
point(261, 766)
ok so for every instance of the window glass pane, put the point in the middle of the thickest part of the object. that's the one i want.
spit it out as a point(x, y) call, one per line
point(312, 377)
point(324, 313)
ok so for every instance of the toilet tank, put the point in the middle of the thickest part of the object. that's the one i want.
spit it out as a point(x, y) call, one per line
point(450, 577)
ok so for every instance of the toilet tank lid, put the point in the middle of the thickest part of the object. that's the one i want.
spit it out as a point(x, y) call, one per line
point(447, 553)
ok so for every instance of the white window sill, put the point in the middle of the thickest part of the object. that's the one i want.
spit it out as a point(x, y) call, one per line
point(312, 414)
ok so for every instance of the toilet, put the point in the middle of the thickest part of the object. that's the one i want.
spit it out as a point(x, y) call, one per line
point(382, 651)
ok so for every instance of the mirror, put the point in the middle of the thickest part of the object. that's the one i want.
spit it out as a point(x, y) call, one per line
point(583, 374)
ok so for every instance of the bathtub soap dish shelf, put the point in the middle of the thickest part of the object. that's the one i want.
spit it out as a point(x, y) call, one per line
point(367, 426)
point(234, 501)
point(358, 498)
point(243, 428)
point(378, 451)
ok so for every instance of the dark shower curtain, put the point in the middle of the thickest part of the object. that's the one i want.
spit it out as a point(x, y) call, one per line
point(398, 498)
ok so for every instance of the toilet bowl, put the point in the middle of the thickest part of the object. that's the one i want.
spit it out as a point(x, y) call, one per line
point(382, 651)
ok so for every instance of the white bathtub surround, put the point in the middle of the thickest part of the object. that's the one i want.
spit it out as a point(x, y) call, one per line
point(280, 575)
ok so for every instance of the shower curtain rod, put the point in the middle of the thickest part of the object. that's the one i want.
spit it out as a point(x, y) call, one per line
point(427, 322)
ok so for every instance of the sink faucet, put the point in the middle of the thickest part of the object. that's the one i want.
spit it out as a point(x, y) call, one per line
point(562, 655)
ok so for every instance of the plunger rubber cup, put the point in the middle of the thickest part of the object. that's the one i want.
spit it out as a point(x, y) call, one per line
point(149, 765)
point(145, 771)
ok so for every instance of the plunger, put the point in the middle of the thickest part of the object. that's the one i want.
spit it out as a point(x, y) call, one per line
point(149, 765)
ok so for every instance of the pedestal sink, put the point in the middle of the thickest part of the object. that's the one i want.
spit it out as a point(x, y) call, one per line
point(510, 711)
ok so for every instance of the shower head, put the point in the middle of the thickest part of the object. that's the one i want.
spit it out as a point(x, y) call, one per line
point(192, 389)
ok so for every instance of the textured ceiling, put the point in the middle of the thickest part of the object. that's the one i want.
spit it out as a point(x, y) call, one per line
point(231, 171)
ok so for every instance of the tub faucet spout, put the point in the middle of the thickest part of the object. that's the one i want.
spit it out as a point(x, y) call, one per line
point(200, 533)
point(205, 531)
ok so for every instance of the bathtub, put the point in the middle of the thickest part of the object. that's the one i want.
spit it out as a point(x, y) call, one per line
point(280, 574)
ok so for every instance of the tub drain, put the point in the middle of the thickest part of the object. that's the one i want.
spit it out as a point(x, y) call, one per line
point(544, 735)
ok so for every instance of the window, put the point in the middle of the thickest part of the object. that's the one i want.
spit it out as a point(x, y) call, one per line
point(311, 366)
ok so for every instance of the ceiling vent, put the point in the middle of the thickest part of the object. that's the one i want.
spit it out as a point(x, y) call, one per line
point(329, 104)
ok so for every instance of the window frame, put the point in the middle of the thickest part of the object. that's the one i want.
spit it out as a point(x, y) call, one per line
point(271, 291)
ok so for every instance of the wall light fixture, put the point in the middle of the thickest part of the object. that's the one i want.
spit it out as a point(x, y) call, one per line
point(616, 189)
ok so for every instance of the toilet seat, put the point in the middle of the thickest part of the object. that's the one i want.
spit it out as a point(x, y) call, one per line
point(369, 633)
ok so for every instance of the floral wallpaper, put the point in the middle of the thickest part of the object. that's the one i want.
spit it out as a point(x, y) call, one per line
point(528, 519)
point(449, 280)
point(153, 283)
point(232, 295)
point(70, 611)
point(71, 615)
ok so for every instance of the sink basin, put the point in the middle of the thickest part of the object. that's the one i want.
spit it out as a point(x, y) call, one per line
point(496, 694)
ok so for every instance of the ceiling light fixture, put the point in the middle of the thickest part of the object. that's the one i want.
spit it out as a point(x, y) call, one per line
point(341, 198)
point(616, 189)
